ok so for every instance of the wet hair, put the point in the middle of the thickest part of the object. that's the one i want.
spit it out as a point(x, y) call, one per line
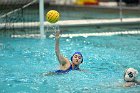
point(79, 53)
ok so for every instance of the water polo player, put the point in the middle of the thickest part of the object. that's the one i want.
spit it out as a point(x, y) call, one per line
point(65, 64)
point(130, 76)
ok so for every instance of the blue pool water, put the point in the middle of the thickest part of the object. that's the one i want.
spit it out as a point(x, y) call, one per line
point(22, 62)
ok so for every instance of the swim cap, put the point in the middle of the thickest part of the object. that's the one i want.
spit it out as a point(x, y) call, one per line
point(79, 53)
point(130, 74)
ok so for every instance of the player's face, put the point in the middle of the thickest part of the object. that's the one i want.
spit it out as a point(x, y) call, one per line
point(77, 59)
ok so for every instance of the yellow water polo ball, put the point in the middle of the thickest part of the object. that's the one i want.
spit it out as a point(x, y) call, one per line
point(52, 16)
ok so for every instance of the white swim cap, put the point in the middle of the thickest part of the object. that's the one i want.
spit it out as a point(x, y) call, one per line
point(130, 74)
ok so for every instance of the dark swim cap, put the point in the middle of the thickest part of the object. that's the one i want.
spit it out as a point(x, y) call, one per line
point(79, 54)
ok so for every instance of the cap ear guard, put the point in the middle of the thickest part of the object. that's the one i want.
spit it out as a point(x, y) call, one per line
point(82, 60)
point(71, 58)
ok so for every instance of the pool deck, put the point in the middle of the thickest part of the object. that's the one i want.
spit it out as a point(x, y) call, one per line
point(76, 23)
point(79, 34)
point(98, 22)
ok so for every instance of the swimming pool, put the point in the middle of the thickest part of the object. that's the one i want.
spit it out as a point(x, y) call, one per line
point(23, 60)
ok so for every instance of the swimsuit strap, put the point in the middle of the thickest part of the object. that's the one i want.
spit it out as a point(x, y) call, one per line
point(66, 71)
